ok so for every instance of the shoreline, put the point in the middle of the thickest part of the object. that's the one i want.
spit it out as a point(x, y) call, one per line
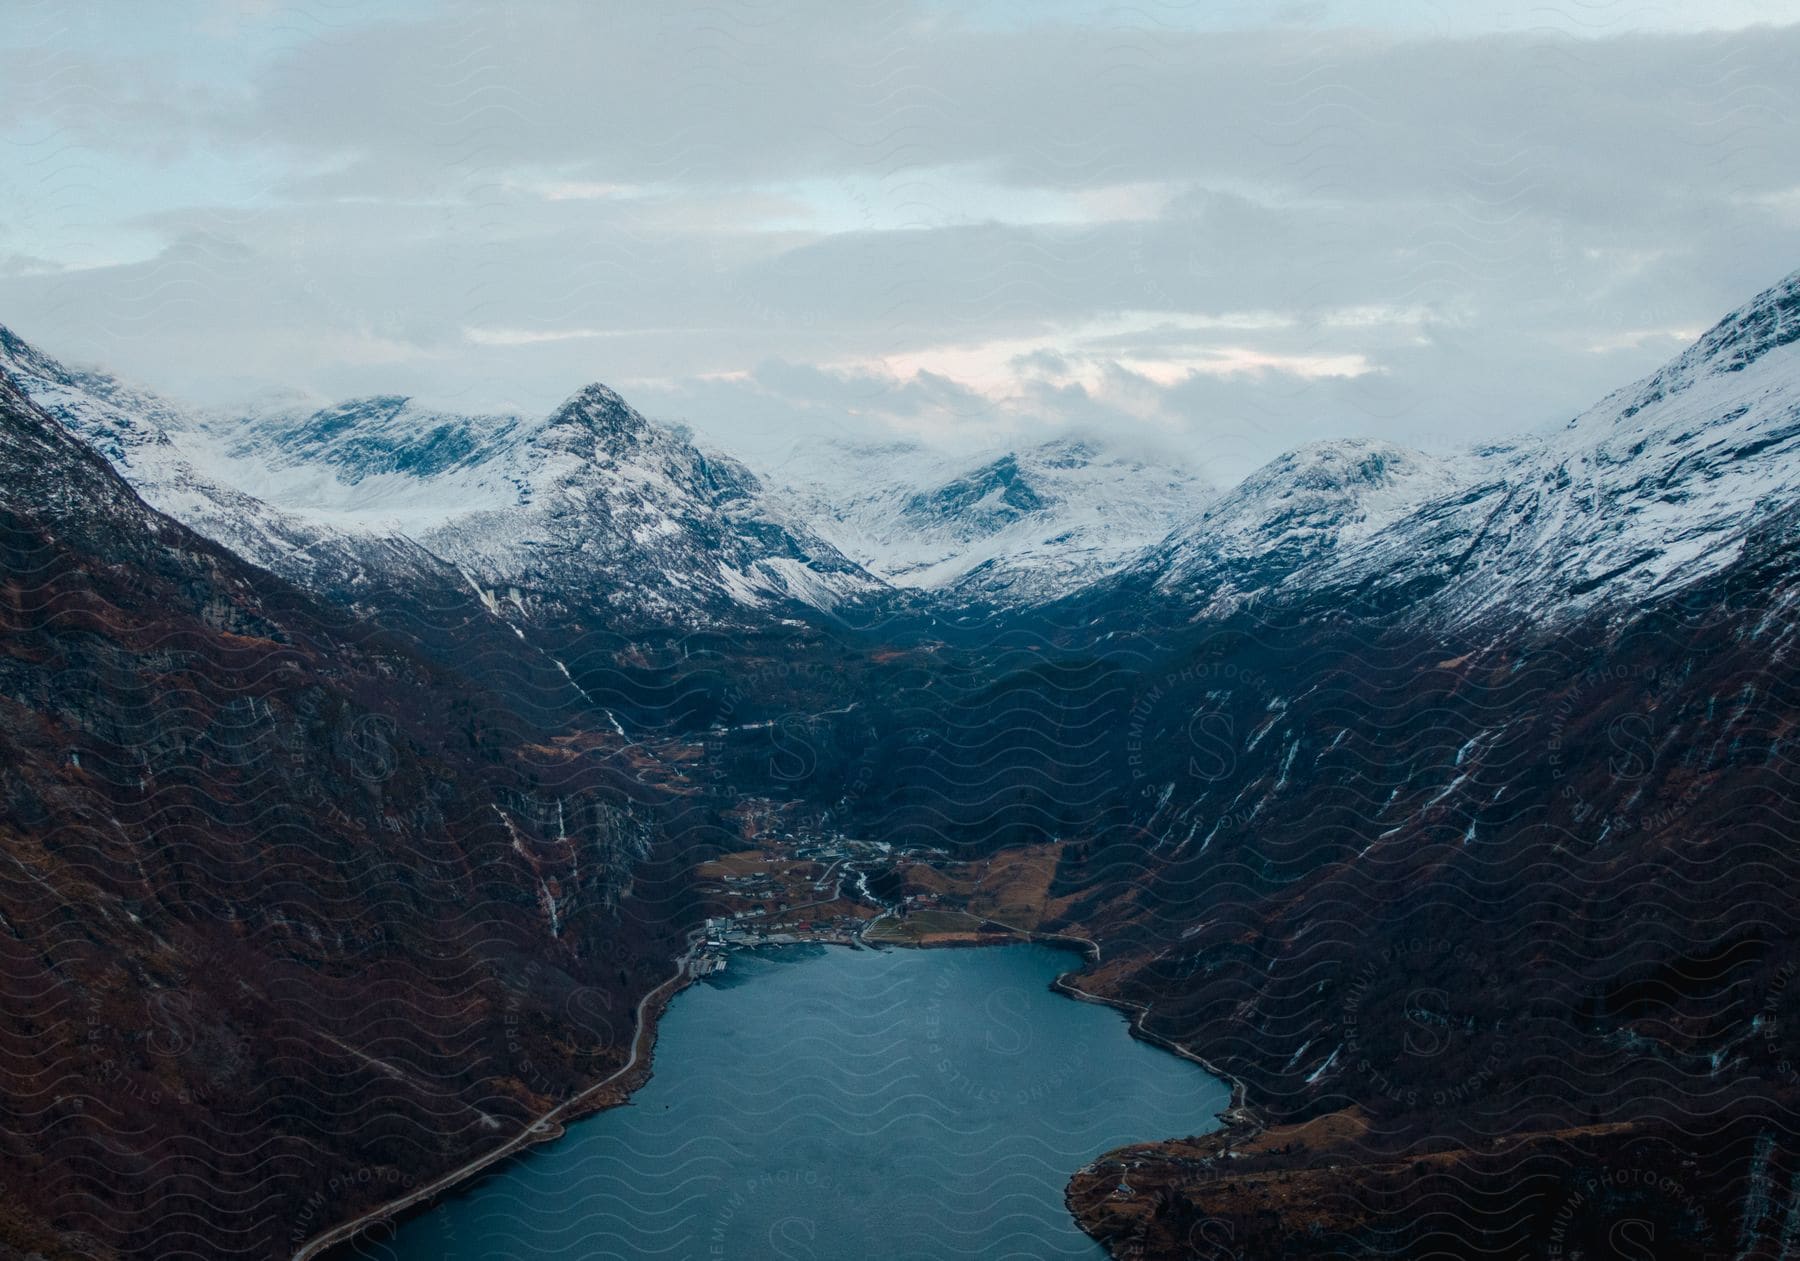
point(1237, 1112)
point(631, 1076)
point(1238, 1119)
point(626, 1079)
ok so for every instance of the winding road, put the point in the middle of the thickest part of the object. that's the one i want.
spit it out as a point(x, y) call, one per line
point(545, 1127)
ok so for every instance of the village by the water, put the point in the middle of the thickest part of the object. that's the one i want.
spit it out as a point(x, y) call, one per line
point(837, 890)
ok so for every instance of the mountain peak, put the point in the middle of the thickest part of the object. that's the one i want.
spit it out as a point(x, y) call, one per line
point(1002, 526)
point(600, 392)
point(1766, 323)
point(1769, 320)
point(1295, 511)
point(18, 354)
point(988, 497)
point(601, 408)
point(1337, 465)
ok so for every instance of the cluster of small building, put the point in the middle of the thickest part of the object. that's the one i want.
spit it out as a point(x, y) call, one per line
point(724, 933)
point(919, 902)
point(773, 900)
point(761, 885)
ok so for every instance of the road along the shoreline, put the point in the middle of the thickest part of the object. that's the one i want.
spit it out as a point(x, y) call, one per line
point(545, 1128)
point(550, 1125)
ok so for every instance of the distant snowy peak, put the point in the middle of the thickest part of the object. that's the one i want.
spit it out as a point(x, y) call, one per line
point(1295, 512)
point(1655, 487)
point(979, 503)
point(598, 433)
point(597, 411)
point(162, 451)
point(1013, 527)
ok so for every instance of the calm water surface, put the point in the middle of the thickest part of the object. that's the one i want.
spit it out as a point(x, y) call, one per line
point(820, 1104)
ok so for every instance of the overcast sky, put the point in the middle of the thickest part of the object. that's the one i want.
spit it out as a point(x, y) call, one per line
point(1223, 227)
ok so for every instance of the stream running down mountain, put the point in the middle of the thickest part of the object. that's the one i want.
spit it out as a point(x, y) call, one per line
point(814, 1103)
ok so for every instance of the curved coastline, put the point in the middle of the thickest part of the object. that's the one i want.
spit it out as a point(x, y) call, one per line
point(617, 1088)
point(1237, 1116)
point(1239, 1113)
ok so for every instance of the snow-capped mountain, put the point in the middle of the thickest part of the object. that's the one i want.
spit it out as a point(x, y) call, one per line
point(1654, 487)
point(592, 506)
point(597, 502)
point(170, 460)
point(1013, 527)
point(374, 464)
point(1292, 515)
point(596, 506)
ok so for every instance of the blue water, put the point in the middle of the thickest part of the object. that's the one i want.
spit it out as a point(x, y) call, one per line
point(822, 1105)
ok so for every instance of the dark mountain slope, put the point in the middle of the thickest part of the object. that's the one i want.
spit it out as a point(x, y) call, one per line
point(1517, 916)
point(1484, 881)
point(290, 916)
point(1499, 911)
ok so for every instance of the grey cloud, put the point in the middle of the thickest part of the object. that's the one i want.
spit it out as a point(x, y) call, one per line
point(744, 93)
point(762, 200)
point(705, 95)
